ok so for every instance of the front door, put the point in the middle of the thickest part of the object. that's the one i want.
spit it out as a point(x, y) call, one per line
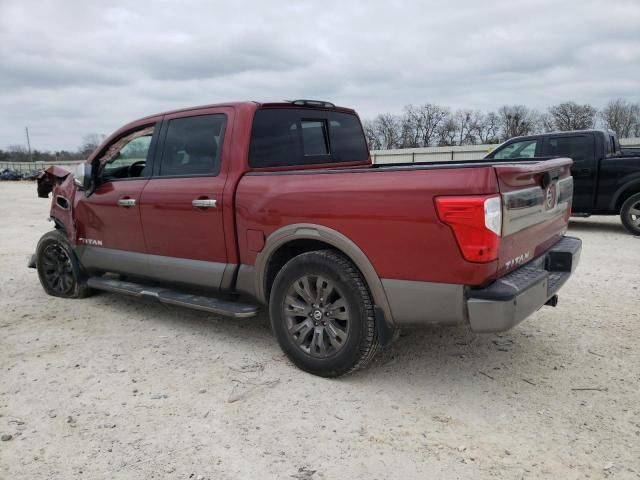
point(108, 225)
point(181, 205)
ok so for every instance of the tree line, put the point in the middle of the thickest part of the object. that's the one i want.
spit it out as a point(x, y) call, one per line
point(435, 125)
point(20, 153)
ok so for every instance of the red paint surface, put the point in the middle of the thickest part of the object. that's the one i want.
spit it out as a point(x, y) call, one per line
point(99, 217)
point(389, 215)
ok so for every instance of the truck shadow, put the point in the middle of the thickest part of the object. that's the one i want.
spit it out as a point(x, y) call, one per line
point(595, 225)
point(455, 354)
point(425, 358)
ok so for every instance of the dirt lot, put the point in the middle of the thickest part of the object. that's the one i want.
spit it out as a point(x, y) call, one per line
point(111, 387)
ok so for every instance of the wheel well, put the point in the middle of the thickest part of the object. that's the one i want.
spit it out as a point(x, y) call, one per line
point(58, 224)
point(286, 252)
point(626, 194)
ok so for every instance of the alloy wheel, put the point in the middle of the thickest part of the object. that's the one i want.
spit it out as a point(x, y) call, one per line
point(317, 316)
point(57, 269)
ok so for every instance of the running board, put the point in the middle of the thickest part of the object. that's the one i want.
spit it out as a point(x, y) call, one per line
point(174, 297)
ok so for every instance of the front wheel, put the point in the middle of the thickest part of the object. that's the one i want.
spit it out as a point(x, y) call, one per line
point(59, 271)
point(322, 314)
point(630, 214)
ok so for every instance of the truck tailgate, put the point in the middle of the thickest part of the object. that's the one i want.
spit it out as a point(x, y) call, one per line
point(535, 210)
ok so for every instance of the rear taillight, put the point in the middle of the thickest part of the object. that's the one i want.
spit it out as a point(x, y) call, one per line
point(476, 222)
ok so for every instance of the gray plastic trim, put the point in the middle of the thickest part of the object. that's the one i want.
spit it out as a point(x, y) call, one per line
point(169, 269)
point(331, 237)
point(245, 282)
point(416, 304)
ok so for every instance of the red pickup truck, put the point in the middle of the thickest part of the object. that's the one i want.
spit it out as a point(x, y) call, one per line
point(226, 207)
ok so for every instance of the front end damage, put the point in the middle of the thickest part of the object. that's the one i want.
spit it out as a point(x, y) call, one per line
point(60, 182)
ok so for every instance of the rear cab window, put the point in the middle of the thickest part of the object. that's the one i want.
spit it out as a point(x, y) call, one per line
point(294, 136)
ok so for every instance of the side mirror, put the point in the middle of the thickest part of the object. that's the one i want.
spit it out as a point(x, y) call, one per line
point(82, 176)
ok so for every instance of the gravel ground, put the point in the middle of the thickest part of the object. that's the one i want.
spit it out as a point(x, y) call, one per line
point(112, 387)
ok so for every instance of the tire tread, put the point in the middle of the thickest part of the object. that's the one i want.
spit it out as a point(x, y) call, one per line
point(626, 206)
point(368, 345)
point(82, 290)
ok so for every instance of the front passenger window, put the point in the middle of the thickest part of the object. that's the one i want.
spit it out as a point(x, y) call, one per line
point(192, 146)
point(523, 149)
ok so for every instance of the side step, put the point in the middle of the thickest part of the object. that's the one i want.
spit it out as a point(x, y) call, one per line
point(174, 297)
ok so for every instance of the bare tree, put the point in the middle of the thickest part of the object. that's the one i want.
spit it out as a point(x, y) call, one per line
point(432, 118)
point(571, 116)
point(17, 153)
point(486, 128)
point(384, 132)
point(90, 142)
point(420, 124)
point(518, 120)
point(371, 135)
point(546, 123)
point(430, 124)
point(622, 117)
point(464, 127)
point(412, 127)
point(447, 132)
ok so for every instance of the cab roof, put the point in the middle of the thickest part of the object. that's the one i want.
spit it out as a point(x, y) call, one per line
point(303, 103)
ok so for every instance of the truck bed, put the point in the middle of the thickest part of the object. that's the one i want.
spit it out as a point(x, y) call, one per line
point(390, 214)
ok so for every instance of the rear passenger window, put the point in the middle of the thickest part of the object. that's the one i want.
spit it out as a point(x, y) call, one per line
point(523, 149)
point(294, 136)
point(576, 148)
point(192, 146)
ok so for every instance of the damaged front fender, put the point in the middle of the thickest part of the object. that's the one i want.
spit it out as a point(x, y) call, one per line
point(62, 184)
point(49, 178)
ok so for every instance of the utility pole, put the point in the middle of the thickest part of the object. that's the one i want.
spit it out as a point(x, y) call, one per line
point(26, 129)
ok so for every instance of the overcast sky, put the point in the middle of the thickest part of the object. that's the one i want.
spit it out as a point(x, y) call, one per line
point(70, 68)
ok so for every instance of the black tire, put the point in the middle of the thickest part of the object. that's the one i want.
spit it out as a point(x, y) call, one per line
point(630, 214)
point(343, 337)
point(60, 273)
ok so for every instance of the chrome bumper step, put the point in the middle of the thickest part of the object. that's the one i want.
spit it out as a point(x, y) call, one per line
point(175, 297)
point(512, 298)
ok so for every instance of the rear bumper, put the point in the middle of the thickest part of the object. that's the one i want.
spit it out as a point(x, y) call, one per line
point(512, 298)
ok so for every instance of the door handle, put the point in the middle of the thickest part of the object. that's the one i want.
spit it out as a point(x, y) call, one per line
point(127, 202)
point(204, 203)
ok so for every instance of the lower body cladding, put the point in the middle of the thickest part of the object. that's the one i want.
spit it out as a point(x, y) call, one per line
point(497, 307)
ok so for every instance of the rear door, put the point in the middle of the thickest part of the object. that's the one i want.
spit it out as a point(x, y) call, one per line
point(181, 205)
point(581, 149)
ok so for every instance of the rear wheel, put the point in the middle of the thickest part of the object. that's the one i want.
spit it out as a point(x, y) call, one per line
point(630, 214)
point(322, 314)
point(59, 271)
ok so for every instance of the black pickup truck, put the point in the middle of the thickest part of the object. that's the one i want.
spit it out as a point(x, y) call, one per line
point(606, 178)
